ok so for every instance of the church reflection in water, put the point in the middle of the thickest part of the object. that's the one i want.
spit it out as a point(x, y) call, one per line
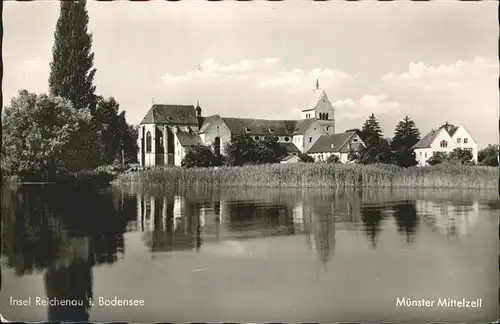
point(179, 224)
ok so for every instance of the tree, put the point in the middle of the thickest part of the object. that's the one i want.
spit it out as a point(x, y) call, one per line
point(199, 156)
point(489, 155)
point(377, 149)
point(353, 156)
point(438, 158)
point(106, 117)
point(242, 149)
point(372, 127)
point(333, 159)
point(71, 69)
point(305, 158)
point(406, 135)
point(42, 136)
point(460, 156)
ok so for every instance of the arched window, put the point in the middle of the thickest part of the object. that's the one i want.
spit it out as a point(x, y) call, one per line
point(160, 148)
point(217, 145)
point(148, 142)
point(257, 138)
point(326, 116)
point(443, 143)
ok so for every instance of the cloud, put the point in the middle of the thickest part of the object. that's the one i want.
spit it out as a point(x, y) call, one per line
point(209, 71)
point(458, 74)
point(370, 103)
point(298, 79)
point(266, 73)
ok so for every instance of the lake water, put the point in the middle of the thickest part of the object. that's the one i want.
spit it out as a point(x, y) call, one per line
point(248, 255)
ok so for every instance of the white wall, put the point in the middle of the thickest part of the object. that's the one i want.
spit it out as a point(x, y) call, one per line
point(435, 147)
point(462, 134)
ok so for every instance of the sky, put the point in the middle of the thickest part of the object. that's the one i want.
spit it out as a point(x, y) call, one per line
point(433, 61)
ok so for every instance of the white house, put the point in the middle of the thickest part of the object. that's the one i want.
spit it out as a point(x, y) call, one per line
point(335, 144)
point(445, 139)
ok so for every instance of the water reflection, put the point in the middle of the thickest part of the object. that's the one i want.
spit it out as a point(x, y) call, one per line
point(66, 232)
point(63, 231)
point(405, 214)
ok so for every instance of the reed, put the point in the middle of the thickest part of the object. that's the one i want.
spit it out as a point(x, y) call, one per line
point(319, 175)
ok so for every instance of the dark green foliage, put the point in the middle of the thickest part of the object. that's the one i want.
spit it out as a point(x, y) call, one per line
point(305, 158)
point(488, 156)
point(44, 137)
point(199, 156)
point(372, 127)
point(333, 159)
point(377, 149)
point(405, 136)
point(461, 156)
point(118, 140)
point(353, 155)
point(72, 72)
point(242, 149)
point(438, 158)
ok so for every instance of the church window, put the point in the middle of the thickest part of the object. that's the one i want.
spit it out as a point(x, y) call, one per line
point(148, 142)
point(443, 144)
point(326, 116)
point(217, 145)
point(159, 146)
point(465, 140)
point(287, 139)
point(310, 139)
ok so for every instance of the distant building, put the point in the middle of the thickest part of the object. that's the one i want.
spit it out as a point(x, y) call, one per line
point(336, 144)
point(167, 131)
point(445, 139)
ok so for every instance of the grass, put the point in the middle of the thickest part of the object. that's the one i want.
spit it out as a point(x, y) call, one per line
point(319, 175)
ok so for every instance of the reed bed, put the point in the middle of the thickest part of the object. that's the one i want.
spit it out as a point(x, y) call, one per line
point(320, 175)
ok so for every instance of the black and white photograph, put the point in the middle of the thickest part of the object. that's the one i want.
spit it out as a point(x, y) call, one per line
point(250, 161)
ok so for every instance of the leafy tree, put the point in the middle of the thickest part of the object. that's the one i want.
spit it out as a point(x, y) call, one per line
point(353, 155)
point(106, 117)
point(405, 136)
point(438, 158)
point(333, 159)
point(460, 156)
point(305, 158)
point(242, 149)
point(489, 155)
point(42, 136)
point(199, 156)
point(71, 70)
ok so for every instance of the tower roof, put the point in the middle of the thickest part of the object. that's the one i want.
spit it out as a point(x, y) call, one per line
point(316, 96)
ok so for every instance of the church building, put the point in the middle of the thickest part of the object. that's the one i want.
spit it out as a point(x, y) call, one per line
point(168, 131)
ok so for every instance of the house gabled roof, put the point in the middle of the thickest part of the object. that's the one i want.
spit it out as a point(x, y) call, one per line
point(335, 143)
point(302, 125)
point(187, 139)
point(449, 128)
point(426, 141)
point(240, 126)
point(171, 114)
point(207, 121)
